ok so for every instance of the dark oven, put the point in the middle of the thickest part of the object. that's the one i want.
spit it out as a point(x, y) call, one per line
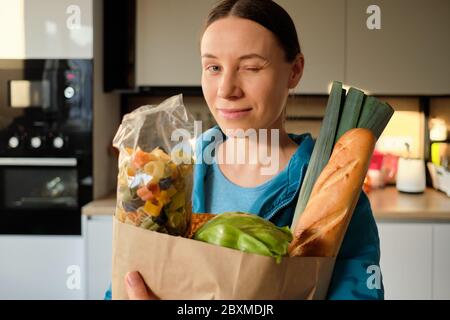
point(45, 145)
point(40, 196)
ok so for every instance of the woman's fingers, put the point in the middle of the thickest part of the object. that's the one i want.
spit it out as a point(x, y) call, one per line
point(136, 287)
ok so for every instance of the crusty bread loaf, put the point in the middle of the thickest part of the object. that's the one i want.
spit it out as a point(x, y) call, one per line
point(321, 227)
point(198, 220)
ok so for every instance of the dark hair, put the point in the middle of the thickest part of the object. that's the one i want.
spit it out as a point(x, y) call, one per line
point(266, 13)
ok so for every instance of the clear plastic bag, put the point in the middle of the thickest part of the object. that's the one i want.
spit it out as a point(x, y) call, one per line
point(154, 184)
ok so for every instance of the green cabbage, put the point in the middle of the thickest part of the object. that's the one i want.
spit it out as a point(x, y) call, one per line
point(246, 232)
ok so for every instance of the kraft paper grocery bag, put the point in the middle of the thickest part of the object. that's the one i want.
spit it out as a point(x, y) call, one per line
point(181, 268)
point(154, 194)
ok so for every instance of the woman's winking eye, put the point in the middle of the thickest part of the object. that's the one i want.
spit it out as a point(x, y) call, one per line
point(252, 68)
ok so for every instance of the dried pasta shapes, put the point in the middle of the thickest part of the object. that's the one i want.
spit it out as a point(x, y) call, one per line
point(154, 192)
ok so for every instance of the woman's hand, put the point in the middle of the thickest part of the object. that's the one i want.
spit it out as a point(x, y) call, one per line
point(136, 287)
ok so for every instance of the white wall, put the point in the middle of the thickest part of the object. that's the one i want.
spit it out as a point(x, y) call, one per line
point(41, 29)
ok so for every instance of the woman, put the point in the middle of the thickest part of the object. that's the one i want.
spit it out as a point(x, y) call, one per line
point(251, 58)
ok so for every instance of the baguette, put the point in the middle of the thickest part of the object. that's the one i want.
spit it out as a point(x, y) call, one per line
point(321, 227)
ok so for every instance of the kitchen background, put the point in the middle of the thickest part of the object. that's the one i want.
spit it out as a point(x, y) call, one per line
point(70, 69)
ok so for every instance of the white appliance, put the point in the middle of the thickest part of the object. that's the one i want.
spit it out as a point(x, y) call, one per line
point(411, 175)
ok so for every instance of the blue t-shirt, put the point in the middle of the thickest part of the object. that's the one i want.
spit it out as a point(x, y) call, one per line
point(225, 195)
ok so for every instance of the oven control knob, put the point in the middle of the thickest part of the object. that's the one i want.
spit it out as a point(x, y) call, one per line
point(58, 142)
point(13, 142)
point(36, 142)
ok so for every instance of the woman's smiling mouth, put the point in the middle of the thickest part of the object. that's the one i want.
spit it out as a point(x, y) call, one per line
point(233, 114)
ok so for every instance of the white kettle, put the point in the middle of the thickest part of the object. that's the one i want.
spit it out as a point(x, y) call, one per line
point(411, 177)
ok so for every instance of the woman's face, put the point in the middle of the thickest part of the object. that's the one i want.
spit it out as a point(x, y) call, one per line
point(245, 77)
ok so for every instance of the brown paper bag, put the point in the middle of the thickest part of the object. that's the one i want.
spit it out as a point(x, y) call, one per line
point(181, 268)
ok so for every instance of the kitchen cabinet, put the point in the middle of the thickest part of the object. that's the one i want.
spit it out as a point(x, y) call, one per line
point(42, 267)
point(406, 259)
point(174, 60)
point(320, 27)
point(408, 55)
point(415, 260)
point(98, 251)
point(168, 42)
point(58, 267)
point(46, 29)
point(441, 261)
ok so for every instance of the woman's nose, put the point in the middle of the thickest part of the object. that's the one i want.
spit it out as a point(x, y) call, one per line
point(229, 86)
